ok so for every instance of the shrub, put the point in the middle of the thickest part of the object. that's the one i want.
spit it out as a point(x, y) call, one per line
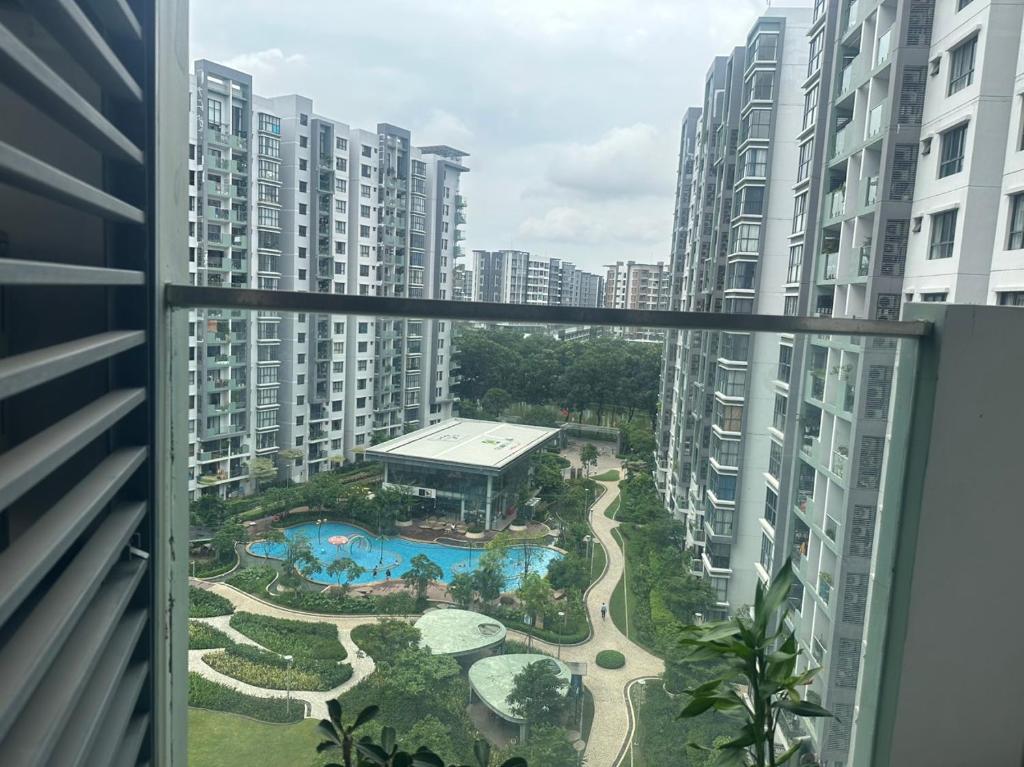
point(206, 604)
point(203, 693)
point(254, 579)
point(289, 637)
point(610, 659)
point(386, 638)
point(203, 636)
point(267, 669)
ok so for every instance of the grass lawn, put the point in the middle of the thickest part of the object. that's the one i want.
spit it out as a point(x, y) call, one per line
point(600, 558)
point(612, 475)
point(617, 604)
point(612, 509)
point(217, 739)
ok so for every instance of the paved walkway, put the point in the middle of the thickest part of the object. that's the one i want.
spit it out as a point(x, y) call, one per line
point(612, 726)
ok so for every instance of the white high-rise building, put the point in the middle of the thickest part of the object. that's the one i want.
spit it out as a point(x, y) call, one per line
point(518, 277)
point(285, 198)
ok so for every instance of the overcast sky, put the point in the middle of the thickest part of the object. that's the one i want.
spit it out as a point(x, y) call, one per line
point(570, 109)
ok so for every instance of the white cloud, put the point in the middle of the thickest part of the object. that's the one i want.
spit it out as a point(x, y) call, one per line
point(443, 127)
point(266, 63)
point(625, 162)
point(592, 225)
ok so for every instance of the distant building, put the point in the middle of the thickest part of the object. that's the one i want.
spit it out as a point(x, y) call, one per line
point(631, 285)
point(518, 277)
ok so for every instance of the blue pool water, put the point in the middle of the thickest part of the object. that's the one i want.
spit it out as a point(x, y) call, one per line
point(365, 549)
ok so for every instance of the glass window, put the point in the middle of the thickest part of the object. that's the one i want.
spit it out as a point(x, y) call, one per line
point(803, 168)
point(760, 86)
point(757, 124)
point(796, 257)
point(752, 201)
point(814, 53)
point(779, 415)
point(775, 460)
point(725, 451)
point(799, 212)
point(722, 485)
point(954, 142)
point(771, 503)
point(810, 107)
point(728, 417)
point(270, 170)
point(767, 549)
point(755, 163)
point(746, 238)
point(961, 65)
point(270, 124)
point(741, 275)
point(934, 298)
point(961, 4)
point(270, 146)
point(943, 234)
point(214, 113)
point(785, 362)
point(1015, 240)
point(731, 383)
point(1011, 298)
point(268, 216)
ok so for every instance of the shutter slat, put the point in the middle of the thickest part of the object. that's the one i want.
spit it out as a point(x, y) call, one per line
point(117, 17)
point(72, 28)
point(14, 271)
point(30, 76)
point(39, 638)
point(26, 172)
point(128, 754)
point(85, 720)
point(113, 729)
point(66, 686)
point(24, 371)
point(22, 567)
point(23, 466)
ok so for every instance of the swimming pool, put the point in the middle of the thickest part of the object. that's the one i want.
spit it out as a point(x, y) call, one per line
point(365, 549)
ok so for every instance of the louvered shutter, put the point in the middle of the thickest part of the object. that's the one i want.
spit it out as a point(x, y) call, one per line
point(77, 327)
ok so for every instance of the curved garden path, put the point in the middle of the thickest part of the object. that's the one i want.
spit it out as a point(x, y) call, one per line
point(613, 722)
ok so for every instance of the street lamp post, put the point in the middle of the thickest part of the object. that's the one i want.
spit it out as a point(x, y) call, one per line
point(288, 683)
point(561, 614)
point(589, 541)
point(319, 524)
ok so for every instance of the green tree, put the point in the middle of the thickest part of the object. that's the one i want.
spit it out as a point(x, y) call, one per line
point(489, 578)
point(345, 566)
point(588, 457)
point(547, 746)
point(461, 589)
point(538, 693)
point(570, 572)
point(261, 470)
point(495, 401)
point(430, 733)
point(298, 557)
point(422, 570)
point(535, 594)
point(225, 538)
point(209, 511)
point(386, 639)
point(767, 667)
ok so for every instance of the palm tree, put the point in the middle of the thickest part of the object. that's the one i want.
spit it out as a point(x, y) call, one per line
point(345, 566)
point(422, 570)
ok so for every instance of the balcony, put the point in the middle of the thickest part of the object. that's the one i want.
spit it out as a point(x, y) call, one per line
point(829, 267)
point(825, 586)
point(839, 142)
point(852, 16)
point(876, 120)
point(884, 48)
point(840, 458)
point(835, 202)
point(870, 191)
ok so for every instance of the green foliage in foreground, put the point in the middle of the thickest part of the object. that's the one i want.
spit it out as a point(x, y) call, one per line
point(267, 669)
point(302, 639)
point(203, 693)
point(202, 636)
point(364, 751)
point(765, 659)
point(206, 604)
point(547, 746)
point(610, 659)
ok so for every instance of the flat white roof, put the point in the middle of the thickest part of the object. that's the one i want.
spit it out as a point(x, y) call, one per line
point(483, 444)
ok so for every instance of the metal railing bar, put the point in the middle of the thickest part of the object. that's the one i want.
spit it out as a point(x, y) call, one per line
point(193, 296)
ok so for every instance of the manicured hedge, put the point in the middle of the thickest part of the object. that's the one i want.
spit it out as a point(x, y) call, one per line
point(267, 669)
point(610, 659)
point(203, 693)
point(206, 604)
point(205, 568)
point(288, 637)
point(202, 636)
point(253, 579)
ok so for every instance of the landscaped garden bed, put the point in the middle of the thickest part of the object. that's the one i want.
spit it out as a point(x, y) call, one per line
point(270, 670)
point(204, 693)
point(206, 604)
point(289, 637)
point(202, 636)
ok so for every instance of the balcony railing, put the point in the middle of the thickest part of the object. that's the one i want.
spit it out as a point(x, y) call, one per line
point(870, 190)
point(876, 119)
point(884, 47)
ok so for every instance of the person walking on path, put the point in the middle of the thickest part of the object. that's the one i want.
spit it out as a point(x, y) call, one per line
point(604, 610)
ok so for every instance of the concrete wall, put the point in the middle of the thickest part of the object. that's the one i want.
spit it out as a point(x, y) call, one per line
point(952, 681)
